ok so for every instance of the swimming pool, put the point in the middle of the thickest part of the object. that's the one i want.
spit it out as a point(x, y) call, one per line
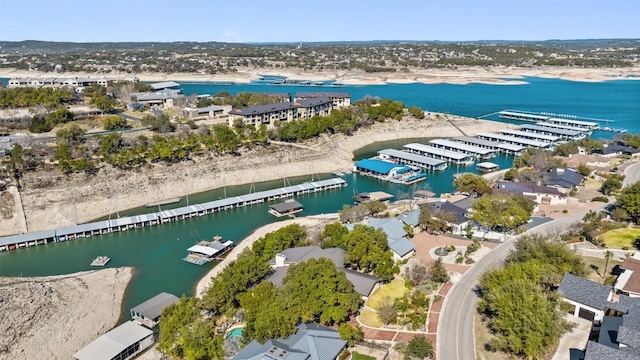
point(237, 332)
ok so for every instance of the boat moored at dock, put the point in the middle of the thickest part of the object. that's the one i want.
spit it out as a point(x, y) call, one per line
point(206, 251)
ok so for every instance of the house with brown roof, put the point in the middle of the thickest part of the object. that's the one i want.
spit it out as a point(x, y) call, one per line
point(629, 280)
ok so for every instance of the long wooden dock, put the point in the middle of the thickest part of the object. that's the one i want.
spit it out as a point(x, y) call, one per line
point(155, 218)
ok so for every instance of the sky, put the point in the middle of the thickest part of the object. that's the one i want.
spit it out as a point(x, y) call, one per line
point(246, 21)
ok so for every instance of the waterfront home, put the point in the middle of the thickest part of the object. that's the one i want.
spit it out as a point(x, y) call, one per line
point(122, 343)
point(459, 221)
point(311, 342)
point(364, 284)
point(318, 106)
point(338, 99)
point(148, 313)
point(564, 180)
point(541, 195)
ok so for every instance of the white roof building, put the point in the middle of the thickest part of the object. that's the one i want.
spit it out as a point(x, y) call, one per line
point(121, 343)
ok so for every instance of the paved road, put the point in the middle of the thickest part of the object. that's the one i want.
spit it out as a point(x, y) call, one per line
point(455, 332)
point(631, 174)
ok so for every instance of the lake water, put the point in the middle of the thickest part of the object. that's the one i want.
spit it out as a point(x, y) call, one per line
point(156, 252)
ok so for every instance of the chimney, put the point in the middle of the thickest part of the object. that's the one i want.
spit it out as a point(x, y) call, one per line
point(280, 260)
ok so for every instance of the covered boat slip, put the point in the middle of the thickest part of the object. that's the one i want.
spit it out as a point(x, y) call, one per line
point(155, 218)
point(487, 167)
point(388, 171)
point(531, 135)
point(564, 134)
point(286, 208)
point(405, 158)
point(575, 123)
point(515, 115)
point(476, 151)
point(564, 127)
point(206, 251)
point(514, 140)
point(443, 154)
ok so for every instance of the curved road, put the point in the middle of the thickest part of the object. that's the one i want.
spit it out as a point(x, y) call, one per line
point(455, 333)
point(631, 174)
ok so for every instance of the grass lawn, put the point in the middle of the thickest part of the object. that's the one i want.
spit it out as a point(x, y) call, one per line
point(369, 318)
point(392, 290)
point(594, 263)
point(618, 238)
point(357, 356)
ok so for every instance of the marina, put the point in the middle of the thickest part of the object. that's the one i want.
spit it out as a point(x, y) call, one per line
point(475, 151)
point(573, 121)
point(531, 136)
point(512, 140)
point(150, 219)
point(287, 208)
point(406, 158)
point(439, 153)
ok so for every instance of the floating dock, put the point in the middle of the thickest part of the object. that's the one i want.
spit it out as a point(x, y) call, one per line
point(155, 218)
point(100, 261)
point(287, 208)
point(206, 251)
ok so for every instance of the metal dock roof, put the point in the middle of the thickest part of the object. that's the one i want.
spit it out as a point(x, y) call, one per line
point(574, 122)
point(92, 226)
point(472, 140)
point(530, 135)
point(510, 147)
point(181, 211)
point(559, 131)
point(378, 166)
point(513, 139)
point(436, 151)
point(460, 146)
point(412, 157)
point(524, 115)
point(558, 126)
point(22, 238)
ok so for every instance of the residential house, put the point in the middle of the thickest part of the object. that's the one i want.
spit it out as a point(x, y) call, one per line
point(397, 237)
point(209, 112)
point(460, 221)
point(311, 342)
point(364, 284)
point(628, 281)
point(611, 150)
point(122, 343)
point(148, 313)
point(538, 194)
point(616, 318)
point(339, 99)
point(411, 218)
point(162, 98)
point(564, 180)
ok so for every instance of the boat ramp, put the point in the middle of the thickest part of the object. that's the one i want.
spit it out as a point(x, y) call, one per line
point(155, 218)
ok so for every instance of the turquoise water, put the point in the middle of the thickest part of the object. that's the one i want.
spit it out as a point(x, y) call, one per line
point(156, 252)
point(237, 332)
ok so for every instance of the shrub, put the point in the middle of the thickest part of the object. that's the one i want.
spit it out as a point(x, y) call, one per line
point(603, 199)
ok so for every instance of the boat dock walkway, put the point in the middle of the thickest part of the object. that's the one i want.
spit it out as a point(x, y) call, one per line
point(155, 218)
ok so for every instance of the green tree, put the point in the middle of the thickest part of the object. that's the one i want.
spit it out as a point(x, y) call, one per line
point(60, 115)
point(114, 122)
point(351, 334)
point(437, 272)
point(501, 212)
point(71, 134)
point(583, 170)
point(375, 206)
point(416, 112)
point(40, 124)
point(629, 201)
point(159, 123)
point(473, 184)
point(368, 251)
point(612, 184)
point(419, 347)
point(105, 103)
point(333, 235)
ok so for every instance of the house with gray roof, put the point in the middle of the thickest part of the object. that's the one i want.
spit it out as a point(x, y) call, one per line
point(363, 284)
point(339, 99)
point(410, 217)
point(460, 220)
point(564, 180)
point(589, 298)
point(148, 313)
point(311, 342)
point(124, 342)
point(396, 236)
point(538, 194)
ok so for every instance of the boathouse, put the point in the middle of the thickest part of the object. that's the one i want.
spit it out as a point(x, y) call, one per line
point(406, 158)
point(379, 168)
point(514, 140)
point(475, 151)
point(286, 208)
point(148, 313)
point(531, 135)
point(487, 167)
point(565, 127)
point(513, 115)
point(575, 123)
point(122, 343)
point(565, 134)
point(455, 157)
